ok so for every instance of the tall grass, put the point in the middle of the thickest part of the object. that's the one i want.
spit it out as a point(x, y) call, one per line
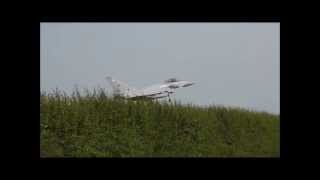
point(95, 125)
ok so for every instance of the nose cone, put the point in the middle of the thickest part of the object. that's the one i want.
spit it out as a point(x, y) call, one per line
point(188, 84)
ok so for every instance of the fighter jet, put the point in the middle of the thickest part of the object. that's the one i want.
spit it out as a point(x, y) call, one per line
point(156, 91)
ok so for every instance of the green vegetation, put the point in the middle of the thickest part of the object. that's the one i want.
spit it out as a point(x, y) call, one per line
point(94, 125)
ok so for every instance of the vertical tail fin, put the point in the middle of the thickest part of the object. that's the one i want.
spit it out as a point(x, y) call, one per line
point(120, 88)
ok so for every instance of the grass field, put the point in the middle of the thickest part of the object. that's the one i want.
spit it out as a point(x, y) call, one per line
point(94, 125)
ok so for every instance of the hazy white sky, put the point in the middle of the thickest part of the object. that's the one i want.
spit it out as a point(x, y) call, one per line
point(234, 64)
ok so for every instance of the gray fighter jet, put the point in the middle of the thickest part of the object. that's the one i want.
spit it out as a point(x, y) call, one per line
point(156, 91)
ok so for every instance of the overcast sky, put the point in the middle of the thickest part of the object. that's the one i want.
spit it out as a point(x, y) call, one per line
point(233, 64)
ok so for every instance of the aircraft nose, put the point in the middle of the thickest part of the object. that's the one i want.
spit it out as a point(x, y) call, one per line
point(188, 84)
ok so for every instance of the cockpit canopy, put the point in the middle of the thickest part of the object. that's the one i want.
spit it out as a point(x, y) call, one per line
point(171, 80)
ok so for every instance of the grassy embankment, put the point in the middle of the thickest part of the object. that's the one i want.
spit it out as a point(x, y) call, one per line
point(94, 125)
